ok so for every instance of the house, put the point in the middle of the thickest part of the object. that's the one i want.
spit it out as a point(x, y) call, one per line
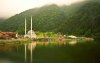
point(8, 35)
point(72, 37)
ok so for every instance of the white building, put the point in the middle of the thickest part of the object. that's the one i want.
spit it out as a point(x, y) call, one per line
point(31, 34)
point(28, 35)
point(72, 36)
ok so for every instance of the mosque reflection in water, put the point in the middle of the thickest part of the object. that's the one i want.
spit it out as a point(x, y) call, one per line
point(25, 51)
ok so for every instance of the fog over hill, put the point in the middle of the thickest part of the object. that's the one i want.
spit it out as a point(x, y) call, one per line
point(80, 19)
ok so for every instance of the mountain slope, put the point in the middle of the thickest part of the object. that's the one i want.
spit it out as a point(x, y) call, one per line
point(77, 19)
point(85, 21)
point(46, 18)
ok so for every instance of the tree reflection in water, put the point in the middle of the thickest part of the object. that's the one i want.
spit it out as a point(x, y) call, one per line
point(42, 52)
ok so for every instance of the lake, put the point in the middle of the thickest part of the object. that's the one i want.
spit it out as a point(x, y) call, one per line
point(72, 51)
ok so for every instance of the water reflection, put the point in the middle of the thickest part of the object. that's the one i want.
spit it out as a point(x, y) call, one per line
point(73, 42)
point(25, 53)
point(31, 53)
point(30, 47)
point(5, 61)
point(6, 47)
point(60, 43)
point(42, 52)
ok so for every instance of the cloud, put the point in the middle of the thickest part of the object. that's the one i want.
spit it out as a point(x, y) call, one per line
point(11, 7)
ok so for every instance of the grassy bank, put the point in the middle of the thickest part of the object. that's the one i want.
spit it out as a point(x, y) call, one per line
point(16, 41)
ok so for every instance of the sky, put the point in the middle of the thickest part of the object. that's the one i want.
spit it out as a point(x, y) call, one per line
point(9, 8)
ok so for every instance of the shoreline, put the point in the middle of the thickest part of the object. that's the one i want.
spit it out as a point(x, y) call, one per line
point(15, 41)
point(25, 40)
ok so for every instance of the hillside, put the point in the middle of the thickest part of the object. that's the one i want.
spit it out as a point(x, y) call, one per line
point(86, 21)
point(80, 19)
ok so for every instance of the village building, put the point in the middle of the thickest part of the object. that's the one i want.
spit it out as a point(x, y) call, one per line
point(28, 35)
point(8, 35)
point(72, 37)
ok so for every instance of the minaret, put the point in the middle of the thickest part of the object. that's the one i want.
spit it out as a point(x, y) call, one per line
point(25, 26)
point(31, 27)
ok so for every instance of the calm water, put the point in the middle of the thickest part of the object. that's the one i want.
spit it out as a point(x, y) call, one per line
point(51, 52)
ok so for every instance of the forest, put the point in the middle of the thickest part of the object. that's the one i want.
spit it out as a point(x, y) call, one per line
point(80, 19)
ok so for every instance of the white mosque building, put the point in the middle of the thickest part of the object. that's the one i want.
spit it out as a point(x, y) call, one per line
point(30, 34)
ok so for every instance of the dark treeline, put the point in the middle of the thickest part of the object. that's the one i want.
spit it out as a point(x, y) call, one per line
point(81, 19)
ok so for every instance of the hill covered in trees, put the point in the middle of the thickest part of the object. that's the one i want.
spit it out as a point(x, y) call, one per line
point(82, 19)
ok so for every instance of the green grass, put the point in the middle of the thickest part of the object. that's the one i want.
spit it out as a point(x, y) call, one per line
point(16, 41)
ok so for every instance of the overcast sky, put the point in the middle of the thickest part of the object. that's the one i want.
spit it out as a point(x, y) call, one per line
point(10, 7)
